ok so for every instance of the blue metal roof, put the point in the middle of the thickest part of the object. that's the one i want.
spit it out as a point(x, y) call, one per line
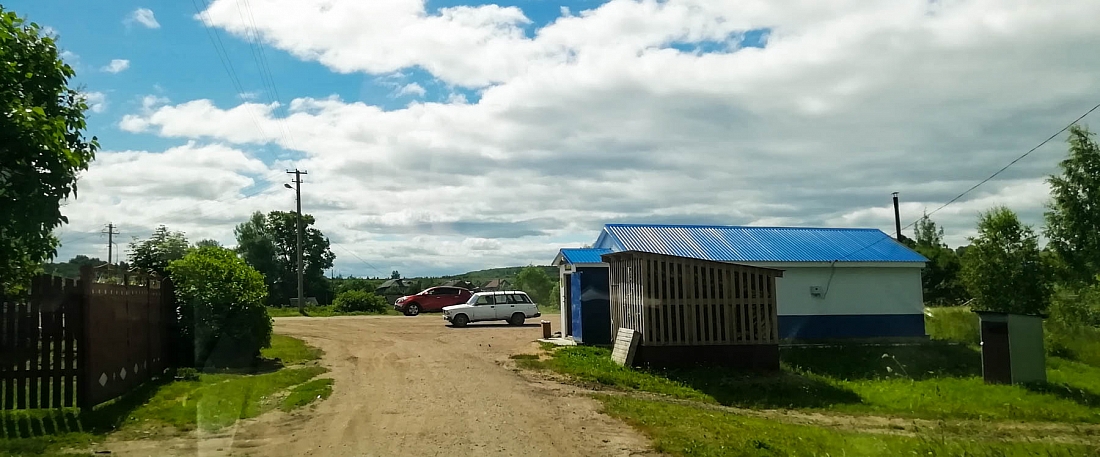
point(758, 244)
point(584, 255)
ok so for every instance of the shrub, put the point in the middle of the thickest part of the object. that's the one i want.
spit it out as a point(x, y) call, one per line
point(220, 299)
point(359, 301)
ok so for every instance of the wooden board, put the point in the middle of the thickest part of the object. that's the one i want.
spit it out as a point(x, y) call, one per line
point(626, 344)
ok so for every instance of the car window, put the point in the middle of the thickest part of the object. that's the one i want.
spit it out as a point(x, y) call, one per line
point(485, 300)
point(448, 291)
point(522, 298)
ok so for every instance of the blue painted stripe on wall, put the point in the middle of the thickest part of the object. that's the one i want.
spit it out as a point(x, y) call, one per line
point(851, 326)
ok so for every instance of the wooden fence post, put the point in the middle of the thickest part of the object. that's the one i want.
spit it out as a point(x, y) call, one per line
point(83, 333)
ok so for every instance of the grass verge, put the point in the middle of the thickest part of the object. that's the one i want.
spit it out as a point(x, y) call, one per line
point(208, 402)
point(687, 431)
point(935, 381)
point(290, 351)
point(304, 394)
point(324, 311)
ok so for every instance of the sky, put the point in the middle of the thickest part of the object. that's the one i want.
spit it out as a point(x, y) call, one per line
point(445, 136)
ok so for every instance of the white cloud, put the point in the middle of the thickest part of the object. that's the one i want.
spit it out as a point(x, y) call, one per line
point(412, 89)
point(97, 101)
point(595, 119)
point(143, 16)
point(116, 66)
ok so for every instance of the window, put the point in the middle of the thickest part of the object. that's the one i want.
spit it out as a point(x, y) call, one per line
point(521, 298)
point(485, 300)
point(446, 291)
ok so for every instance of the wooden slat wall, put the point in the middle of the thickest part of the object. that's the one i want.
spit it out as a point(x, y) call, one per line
point(676, 301)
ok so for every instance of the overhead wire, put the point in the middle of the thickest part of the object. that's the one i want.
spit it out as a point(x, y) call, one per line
point(987, 179)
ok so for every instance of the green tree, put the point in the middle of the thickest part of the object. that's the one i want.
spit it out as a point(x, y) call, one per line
point(269, 244)
point(537, 284)
point(156, 252)
point(395, 274)
point(220, 300)
point(1073, 214)
point(207, 243)
point(940, 277)
point(42, 147)
point(1003, 268)
point(359, 300)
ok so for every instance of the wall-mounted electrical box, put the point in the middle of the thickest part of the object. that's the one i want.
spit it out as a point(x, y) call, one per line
point(815, 291)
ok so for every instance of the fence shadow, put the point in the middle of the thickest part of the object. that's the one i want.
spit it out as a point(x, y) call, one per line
point(917, 361)
point(739, 388)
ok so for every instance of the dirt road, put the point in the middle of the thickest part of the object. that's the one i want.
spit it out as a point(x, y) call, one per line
point(414, 387)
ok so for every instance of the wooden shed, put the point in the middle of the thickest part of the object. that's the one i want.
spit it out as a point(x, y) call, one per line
point(689, 311)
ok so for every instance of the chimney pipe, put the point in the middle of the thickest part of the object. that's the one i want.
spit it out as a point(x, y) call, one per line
point(897, 216)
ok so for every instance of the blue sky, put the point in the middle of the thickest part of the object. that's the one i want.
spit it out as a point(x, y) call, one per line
point(473, 135)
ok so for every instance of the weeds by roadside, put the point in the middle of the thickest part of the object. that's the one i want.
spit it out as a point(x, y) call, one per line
point(324, 311)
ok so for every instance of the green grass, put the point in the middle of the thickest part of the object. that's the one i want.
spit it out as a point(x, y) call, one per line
point(304, 394)
point(323, 311)
point(688, 431)
point(956, 324)
point(290, 351)
point(934, 381)
point(210, 402)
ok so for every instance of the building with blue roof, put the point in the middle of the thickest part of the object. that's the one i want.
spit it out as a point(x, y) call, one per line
point(837, 282)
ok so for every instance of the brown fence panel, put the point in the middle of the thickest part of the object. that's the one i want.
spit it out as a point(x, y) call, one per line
point(125, 330)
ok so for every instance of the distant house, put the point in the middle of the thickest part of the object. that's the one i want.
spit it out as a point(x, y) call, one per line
point(393, 287)
point(459, 283)
point(836, 282)
point(496, 284)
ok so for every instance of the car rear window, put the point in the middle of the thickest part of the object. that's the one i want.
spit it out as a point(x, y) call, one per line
point(519, 298)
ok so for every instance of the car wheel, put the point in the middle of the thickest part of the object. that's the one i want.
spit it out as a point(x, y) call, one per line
point(460, 320)
point(517, 319)
point(412, 309)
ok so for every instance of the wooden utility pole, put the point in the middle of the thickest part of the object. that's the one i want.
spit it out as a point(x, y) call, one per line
point(298, 223)
point(110, 231)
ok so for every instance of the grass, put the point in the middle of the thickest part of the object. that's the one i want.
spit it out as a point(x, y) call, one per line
point(689, 431)
point(304, 394)
point(215, 401)
point(935, 381)
point(958, 324)
point(324, 311)
point(290, 351)
point(208, 401)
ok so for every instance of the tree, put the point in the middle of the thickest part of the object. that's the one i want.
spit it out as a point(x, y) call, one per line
point(42, 147)
point(269, 244)
point(395, 274)
point(537, 284)
point(1073, 213)
point(207, 243)
point(1003, 268)
point(155, 253)
point(940, 277)
point(220, 307)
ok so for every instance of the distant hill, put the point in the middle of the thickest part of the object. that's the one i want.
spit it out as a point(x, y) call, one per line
point(509, 273)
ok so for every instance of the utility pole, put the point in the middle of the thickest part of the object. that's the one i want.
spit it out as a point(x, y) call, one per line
point(110, 231)
point(298, 223)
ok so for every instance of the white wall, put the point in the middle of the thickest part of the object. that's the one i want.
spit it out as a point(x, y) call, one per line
point(853, 290)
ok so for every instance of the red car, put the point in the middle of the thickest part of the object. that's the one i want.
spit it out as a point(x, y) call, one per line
point(433, 299)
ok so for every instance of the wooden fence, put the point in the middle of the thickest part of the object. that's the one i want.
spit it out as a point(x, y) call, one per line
point(679, 301)
point(82, 342)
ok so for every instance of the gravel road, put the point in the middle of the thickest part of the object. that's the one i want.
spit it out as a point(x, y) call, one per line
point(410, 386)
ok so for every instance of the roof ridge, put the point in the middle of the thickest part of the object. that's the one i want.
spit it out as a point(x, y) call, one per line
point(868, 229)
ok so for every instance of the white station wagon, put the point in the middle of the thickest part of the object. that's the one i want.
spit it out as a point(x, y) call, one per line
point(509, 305)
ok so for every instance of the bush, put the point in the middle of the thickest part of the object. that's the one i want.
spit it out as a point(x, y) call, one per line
point(220, 299)
point(359, 301)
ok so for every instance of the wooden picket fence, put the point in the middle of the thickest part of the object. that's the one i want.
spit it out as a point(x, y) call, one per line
point(82, 342)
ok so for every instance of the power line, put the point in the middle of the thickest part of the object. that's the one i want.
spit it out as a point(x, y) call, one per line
point(349, 251)
point(994, 175)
